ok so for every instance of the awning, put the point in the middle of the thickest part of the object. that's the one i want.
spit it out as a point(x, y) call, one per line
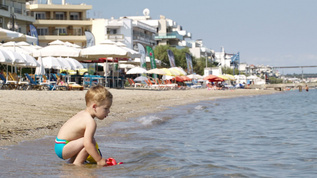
point(9, 35)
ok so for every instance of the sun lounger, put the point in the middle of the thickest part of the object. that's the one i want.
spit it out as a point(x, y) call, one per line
point(34, 85)
point(74, 86)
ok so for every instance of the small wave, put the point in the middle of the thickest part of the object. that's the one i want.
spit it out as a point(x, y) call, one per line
point(151, 120)
point(200, 107)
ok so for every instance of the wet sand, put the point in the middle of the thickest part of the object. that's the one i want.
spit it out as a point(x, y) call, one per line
point(29, 115)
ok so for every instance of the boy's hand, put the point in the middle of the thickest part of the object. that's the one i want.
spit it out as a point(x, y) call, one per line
point(102, 162)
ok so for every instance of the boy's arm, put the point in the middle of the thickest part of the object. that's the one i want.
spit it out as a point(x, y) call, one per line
point(89, 141)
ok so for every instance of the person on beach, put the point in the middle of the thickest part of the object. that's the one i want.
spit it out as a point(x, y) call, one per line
point(75, 140)
point(306, 87)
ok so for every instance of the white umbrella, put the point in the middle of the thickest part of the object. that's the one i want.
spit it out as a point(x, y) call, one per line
point(8, 34)
point(30, 49)
point(77, 65)
point(51, 63)
point(106, 48)
point(65, 64)
point(195, 76)
point(180, 70)
point(16, 57)
point(156, 71)
point(4, 57)
point(31, 61)
point(40, 70)
point(134, 54)
point(140, 79)
point(57, 49)
point(137, 70)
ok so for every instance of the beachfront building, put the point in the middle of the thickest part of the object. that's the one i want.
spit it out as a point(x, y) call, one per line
point(15, 17)
point(65, 22)
point(167, 31)
point(124, 30)
point(198, 50)
point(223, 58)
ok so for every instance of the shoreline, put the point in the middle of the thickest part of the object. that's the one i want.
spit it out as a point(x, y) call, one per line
point(30, 115)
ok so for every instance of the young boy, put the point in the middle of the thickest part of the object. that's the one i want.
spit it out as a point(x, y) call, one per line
point(75, 139)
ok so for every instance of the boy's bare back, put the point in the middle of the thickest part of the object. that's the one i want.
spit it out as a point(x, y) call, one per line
point(75, 127)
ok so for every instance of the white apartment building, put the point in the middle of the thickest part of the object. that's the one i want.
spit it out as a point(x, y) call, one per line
point(223, 58)
point(65, 22)
point(198, 50)
point(168, 32)
point(125, 30)
point(14, 16)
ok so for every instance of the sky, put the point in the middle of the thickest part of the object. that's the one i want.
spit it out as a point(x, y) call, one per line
point(265, 32)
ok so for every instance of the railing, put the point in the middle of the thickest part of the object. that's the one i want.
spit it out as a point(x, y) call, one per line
point(169, 35)
point(47, 18)
point(61, 34)
point(114, 37)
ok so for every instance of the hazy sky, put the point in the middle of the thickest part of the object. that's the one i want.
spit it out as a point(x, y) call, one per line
point(268, 32)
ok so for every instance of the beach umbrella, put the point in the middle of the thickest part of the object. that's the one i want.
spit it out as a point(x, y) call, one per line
point(16, 57)
point(156, 71)
point(40, 70)
point(179, 70)
point(134, 54)
point(13, 46)
point(106, 48)
point(231, 77)
point(57, 49)
point(170, 72)
point(185, 78)
point(74, 63)
point(31, 61)
point(5, 58)
point(65, 64)
point(223, 77)
point(195, 76)
point(140, 79)
point(51, 63)
point(136, 70)
point(213, 78)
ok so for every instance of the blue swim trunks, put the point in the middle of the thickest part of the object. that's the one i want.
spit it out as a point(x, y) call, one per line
point(59, 146)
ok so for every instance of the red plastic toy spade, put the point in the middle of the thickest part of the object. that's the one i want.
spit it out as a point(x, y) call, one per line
point(112, 162)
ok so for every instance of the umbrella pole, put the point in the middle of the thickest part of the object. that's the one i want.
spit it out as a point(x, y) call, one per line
point(113, 74)
point(106, 70)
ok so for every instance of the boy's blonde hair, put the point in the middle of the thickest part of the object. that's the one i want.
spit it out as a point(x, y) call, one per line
point(97, 94)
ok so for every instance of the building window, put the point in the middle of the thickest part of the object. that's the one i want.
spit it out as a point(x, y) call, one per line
point(77, 31)
point(111, 31)
point(40, 15)
point(61, 30)
point(42, 31)
point(74, 16)
point(59, 15)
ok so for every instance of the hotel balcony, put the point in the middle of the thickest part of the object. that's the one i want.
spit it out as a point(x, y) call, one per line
point(143, 38)
point(54, 22)
point(170, 35)
point(114, 37)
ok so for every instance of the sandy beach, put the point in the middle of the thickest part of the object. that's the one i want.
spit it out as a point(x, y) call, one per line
point(28, 115)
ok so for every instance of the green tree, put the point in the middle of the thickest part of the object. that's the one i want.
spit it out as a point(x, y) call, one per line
point(199, 64)
point(228, 70)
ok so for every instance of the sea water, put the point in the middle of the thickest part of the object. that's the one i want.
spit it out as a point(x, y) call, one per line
point(256, 136)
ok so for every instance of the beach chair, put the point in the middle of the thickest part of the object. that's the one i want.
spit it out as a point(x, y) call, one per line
point(162, 85)
point(3, 82)
point(75, 86)
point(135, 84)
point(152, 85)
point(130, 83)
point(34, 85)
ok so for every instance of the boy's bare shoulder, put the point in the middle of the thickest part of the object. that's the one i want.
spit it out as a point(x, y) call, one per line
point(83, 115)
